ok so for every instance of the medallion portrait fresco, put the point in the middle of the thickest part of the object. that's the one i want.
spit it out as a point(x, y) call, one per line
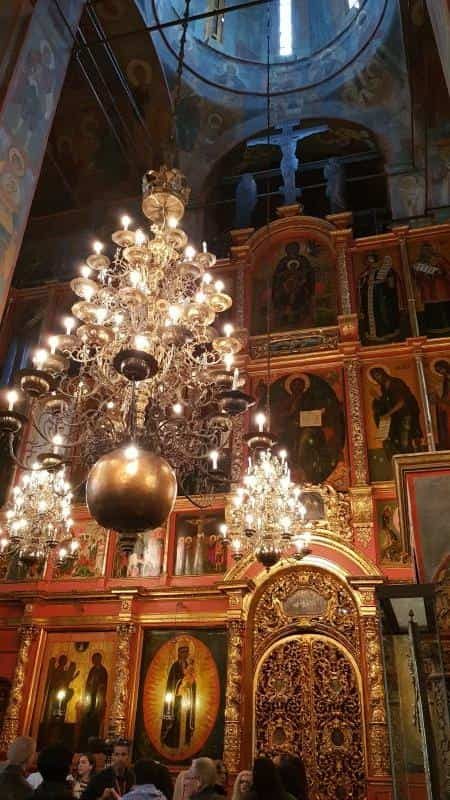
point(295, 284)
point(181, 696)
point(393, 415)
point(308, 419)
point(75, 689)
point(380, 296)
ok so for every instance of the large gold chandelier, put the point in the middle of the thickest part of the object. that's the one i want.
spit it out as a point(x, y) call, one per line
point(37, 518)
point(142, 381)
point(265, 515)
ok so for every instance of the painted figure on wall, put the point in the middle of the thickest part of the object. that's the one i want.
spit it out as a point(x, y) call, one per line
point(61, 674)
point(294, 284)
point(431, 270)
point(393, 550)
point(308, 419)
point(95, 700)
point(379, 301)
point(396, 414)
point(91, 553)
point(440, 403)
point(181, 699)
point(199, 548)
point(178, 723)
point(146, 559)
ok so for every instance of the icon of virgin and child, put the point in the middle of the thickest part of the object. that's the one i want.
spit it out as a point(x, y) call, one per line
point(178, 722)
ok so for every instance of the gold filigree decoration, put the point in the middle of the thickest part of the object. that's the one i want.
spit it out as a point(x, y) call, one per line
point(271, 614)
point(233, 701)
point(356, 426)
point(341, 238)
point(307, 699)
point(121, 689)
point(237, 449)
point(328, 512)
point(378, 733)
point(10, 728)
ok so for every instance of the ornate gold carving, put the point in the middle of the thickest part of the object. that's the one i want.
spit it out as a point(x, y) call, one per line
point(377, 728)
point(307, 699)
point(362, 514)
point(340, 614)
point(348, 326)
point(237, 449)
point(233, 702)
point(11, 721)
point(341, 238)
point(121, 689)
point(356, 426)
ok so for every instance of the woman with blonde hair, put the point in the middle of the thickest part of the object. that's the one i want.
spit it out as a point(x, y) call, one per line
point(242, 785)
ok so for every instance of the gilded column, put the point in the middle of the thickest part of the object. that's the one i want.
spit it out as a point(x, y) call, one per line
point(356, 428)
point(121, 689)
point(377, 730)
point(233, 701)
point(341, 241)
point(11, 721)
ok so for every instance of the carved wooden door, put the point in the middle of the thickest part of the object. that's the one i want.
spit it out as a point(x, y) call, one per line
point(307, 700)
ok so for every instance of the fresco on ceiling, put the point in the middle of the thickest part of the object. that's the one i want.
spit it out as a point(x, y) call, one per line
point(308, 419)
point(75, 689)
point(26, 120)
point(394, 546)
point(380, 296)
point(393, 416)
point(297, 281)
point(146, 559)
point(430, 267)
point(199, 548)
point(437, 373)
point(181, 700)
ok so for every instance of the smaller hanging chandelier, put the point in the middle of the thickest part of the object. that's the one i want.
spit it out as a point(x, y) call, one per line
point(38, 516)
point(265, 514)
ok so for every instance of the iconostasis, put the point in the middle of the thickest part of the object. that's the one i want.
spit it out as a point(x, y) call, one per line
point(159, 643)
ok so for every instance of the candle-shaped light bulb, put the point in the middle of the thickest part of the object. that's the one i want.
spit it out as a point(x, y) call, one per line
point(219, 286)
point(189, 252)
point(12, 397)
point(283, 456)
point(141, 342)
point(40, 357)
point(223, 529)
point(200, 297)
point(125, 222)
point(98, 247)
point(177, 408)
point(205, 247)
point(53, 342)
point(214, 456)
point(235, 378)
point(88, 293)
point(139, 237)
point(101, 314)
point(69, 324)
point(57, 440)
point(260, 420)
point(134, 277)
point(85, 271)
point(174, 313)
point(207, 278)
point(228, 360)
point(228, 329)
point(172, 222)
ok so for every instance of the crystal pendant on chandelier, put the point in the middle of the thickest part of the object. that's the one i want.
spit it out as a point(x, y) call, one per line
point(38, 517)
point(143, 362)
point(265, 514)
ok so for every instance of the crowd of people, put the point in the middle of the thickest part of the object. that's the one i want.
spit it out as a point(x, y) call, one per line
point(56, 774)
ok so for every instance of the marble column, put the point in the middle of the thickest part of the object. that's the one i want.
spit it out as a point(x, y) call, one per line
point(10, 729)
point(26, 119)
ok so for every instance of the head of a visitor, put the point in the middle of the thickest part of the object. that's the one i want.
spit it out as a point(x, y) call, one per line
point(163, 781)
point(120, 758)
point(86, 766)
point(222, 773)
point(21, 751)
point(266, 780)
point(204, 770)
point(292, 774)
point(54, 763)
point(243, 782)
point(53, 791)
point(145, 772)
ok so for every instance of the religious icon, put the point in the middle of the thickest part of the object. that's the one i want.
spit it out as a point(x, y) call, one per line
point(431, 272)
point(308, 420)
point(146, 560)
point(393, 548)
point(393, 417)
point(439, 396)
point(380, 303)
point(199, 548)
point(90, 560)
point(180, 695)
point(74, 694)
point(295, 285)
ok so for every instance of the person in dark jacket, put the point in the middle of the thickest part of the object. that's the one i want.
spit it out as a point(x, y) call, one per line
point(204, 770)
point(13, 785)
point(266, 782)
point(293, 775)
point(115, 780)
point(54, 763)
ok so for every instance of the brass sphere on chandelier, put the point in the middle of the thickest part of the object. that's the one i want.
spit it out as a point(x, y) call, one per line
point(131, 490)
